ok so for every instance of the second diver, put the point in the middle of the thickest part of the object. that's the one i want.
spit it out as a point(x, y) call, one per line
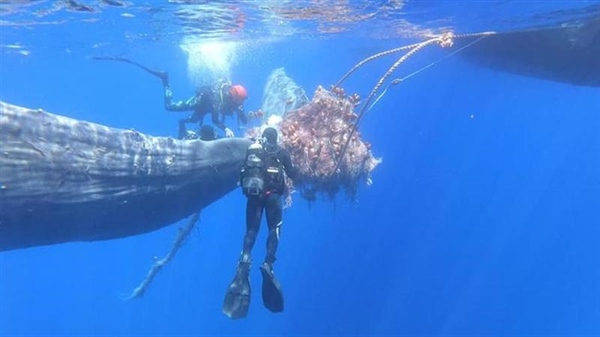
point(263, 182)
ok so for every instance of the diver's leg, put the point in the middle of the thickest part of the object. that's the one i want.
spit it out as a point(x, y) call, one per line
point(237, 298)
point(182, 122)
point(254, 211)
point(272, 294)
point(167, 92)
point(274, 221)
point(182, 129)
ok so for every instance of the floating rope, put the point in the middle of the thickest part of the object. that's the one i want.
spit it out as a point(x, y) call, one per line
point(184, 232)
point(445, 40)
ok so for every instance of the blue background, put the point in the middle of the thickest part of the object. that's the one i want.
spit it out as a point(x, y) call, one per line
point(484, 217)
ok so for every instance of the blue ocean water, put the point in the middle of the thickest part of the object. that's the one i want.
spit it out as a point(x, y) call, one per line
point(483, 219)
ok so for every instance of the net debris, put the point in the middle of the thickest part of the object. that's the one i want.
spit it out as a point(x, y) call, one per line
point(314, 134)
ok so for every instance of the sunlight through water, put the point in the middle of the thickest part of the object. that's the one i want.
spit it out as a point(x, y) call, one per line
point(209, 61)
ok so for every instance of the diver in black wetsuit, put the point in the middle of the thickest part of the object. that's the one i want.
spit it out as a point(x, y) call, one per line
point(221, 101)
point(263, 182)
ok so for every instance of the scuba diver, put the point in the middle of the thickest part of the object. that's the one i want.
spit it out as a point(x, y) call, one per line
point(221, 101)
point(263, 182)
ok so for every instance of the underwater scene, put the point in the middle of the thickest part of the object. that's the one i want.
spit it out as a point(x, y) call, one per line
point(299, 168)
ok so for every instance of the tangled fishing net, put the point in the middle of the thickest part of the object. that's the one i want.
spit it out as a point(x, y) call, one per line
point(314, 132)
point(315, 135)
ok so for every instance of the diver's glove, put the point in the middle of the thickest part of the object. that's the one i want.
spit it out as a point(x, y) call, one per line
point(229, 133)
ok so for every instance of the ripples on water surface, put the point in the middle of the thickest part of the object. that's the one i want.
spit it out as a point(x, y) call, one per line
point(110, 22)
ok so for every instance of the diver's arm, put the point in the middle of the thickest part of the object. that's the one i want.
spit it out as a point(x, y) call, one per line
point(220, 123)
point(242, 117)
point(216, 121)
point(289, 168)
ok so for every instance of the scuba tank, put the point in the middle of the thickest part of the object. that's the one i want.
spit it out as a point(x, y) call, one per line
point(251, 176)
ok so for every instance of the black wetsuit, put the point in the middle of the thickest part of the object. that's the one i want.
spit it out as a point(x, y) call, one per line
point(269, 200)
point(217, 102)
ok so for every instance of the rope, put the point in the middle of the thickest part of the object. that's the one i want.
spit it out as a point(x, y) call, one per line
point(374, 91)
point(184, 232)
point(445, 40)
point(371, 58)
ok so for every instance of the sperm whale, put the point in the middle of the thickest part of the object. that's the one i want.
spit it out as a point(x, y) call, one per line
point(65, 180)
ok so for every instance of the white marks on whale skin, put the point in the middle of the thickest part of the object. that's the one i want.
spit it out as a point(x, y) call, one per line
point(170, 160)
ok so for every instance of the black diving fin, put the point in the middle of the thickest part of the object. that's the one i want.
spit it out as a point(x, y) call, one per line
point(160, 74)
point(237, 299)
point(271, 290)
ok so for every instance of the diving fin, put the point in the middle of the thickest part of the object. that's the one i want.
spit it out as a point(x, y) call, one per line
point(271, 289)
point(164, 76)
point(237, 299)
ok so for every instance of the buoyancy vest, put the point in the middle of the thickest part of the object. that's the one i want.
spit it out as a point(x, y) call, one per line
point(274, 175)
point(262, 171)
